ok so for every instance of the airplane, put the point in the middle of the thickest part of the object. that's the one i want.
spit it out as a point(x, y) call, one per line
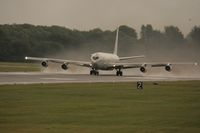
point(106, 61)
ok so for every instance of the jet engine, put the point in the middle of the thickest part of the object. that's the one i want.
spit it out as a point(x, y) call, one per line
point(44, 63)
point(168, 67)
point(64, 66)
point(143, 68)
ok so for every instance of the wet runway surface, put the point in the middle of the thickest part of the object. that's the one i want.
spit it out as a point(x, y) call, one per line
point(38, 77)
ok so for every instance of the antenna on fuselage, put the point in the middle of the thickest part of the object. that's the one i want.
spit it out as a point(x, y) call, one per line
point(116, 42)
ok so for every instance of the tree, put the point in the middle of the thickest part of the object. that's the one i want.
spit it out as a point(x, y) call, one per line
point(19, 40)
point(128, 31)
point(194, 35)
point(149, 35)
point(146, 33)
point(173, 34)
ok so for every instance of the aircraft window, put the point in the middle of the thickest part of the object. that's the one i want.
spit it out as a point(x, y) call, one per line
point(95, 57)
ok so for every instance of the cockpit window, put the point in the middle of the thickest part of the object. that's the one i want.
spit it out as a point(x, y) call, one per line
point(95, 57)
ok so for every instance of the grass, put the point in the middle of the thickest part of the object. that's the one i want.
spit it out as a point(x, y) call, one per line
point(18, 67)
point(100, 108)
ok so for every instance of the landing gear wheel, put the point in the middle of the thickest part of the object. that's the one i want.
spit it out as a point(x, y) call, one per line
point(94, 72)
point(91, 72)
point(119, 73)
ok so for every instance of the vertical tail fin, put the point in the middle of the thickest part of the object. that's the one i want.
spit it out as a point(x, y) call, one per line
point(116, 42)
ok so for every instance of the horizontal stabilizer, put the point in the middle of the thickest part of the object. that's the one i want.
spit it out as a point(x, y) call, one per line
point(131, 57)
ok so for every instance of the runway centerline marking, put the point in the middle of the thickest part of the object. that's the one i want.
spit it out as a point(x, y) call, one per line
point(59, 79)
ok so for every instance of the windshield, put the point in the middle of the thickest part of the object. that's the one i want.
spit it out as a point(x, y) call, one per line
point(95, 57)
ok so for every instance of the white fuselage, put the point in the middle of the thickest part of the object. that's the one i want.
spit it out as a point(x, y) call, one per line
point(103, 61)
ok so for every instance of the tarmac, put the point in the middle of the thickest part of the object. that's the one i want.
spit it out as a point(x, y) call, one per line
point(45, 78)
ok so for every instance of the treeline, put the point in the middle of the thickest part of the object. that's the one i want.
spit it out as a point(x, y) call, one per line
point(19, 40)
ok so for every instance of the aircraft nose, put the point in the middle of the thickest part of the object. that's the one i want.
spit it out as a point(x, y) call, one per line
point(91, 57)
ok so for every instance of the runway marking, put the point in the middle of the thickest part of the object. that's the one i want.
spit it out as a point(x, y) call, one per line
point(59, 79)
point(146, 77)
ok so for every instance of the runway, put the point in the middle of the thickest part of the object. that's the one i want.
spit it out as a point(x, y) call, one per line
point(39, 77)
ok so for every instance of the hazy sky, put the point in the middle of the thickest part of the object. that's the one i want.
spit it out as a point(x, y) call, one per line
point(104, 14)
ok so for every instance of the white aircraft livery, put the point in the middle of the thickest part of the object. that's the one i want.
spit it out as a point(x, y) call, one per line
point(106, 61)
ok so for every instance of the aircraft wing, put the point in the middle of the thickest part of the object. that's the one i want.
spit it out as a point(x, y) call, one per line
point(61, 61)
point(153, 64)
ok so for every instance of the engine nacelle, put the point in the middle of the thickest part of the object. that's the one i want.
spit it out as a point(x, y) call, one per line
point(143, 69)
point(168, 67)
point(44, 64)
point(64, 66)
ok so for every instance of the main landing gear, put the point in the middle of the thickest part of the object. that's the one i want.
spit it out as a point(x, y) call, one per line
point(119, 73)
point(94, 72)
